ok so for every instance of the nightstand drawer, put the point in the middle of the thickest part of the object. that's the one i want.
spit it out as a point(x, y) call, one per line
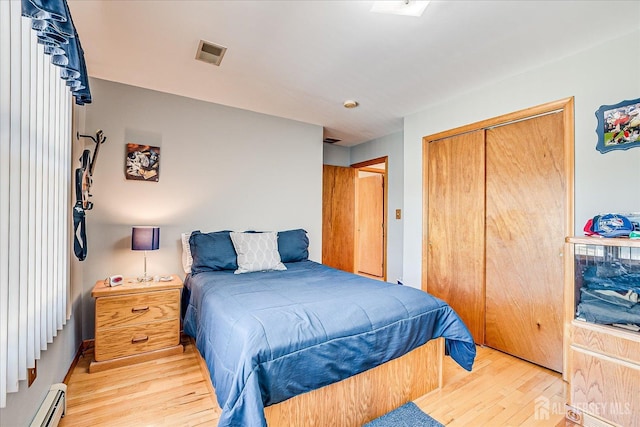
point(124, 310)
point(119, 342)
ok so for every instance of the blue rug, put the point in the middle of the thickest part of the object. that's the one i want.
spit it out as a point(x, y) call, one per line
point(408, 415)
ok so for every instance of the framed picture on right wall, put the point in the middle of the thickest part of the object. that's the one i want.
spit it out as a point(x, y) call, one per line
point(618, 126)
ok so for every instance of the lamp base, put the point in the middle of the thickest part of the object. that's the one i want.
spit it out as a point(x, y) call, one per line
point(145, 279)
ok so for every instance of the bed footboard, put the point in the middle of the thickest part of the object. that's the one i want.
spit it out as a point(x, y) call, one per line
point(368, 395)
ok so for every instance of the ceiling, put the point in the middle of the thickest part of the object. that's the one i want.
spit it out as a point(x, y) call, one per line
point(302, 59)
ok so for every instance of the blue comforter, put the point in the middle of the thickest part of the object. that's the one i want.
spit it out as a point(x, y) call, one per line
point(269, 336)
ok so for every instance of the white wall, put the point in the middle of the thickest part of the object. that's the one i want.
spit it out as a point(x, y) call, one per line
point(220, 168)
point(603, 75)
point(390, 146)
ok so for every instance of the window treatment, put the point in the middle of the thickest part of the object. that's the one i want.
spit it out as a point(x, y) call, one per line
point(52, 22)
point(35, 187)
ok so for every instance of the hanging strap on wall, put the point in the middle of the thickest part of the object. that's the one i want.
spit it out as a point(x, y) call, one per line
point(79, 226)
point(79, 232)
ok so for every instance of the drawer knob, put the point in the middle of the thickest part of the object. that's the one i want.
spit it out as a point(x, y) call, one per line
point(143, 338)
point(139, 309)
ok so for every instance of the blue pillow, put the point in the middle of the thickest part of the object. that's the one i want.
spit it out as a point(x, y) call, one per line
point(293, 245)
point(212, 252)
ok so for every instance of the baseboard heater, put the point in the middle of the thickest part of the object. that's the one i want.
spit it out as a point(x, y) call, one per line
point(53, 407)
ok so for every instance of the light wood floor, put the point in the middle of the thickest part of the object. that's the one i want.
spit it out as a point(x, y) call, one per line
point(175, 391)
point(171, 391)
point(501, 390)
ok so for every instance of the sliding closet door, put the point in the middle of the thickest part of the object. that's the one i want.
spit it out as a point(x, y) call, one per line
point(525, 217)
point(455, 226)
point(338, 217)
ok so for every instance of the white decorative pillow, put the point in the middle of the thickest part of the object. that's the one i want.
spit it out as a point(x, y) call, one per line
point(257, 252)
point(187, 259)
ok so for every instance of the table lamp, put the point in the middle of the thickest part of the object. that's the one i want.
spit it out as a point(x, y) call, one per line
point(145, 238)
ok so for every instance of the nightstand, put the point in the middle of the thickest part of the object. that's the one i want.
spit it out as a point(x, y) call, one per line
point(136, 322)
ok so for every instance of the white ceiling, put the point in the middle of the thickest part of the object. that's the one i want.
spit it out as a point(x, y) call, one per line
point(302, 59)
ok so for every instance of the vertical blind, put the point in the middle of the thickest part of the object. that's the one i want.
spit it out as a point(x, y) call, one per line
point(35, 181)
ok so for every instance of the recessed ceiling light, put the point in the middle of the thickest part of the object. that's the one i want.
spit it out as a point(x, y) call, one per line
point(400, 7)
point(350, 103)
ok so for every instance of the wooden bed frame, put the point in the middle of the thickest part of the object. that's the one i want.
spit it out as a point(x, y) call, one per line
point(361, 398)
point(365, 396)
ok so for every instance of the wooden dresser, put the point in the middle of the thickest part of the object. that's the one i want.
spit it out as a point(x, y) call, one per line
point(604, 360)
point(136, 322)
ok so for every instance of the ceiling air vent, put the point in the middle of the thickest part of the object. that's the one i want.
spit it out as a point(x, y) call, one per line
point(210, 52)
point(331, 140)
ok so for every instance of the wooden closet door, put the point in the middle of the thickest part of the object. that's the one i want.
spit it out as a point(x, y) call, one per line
point(338, 217)
point(455, 229)
point(525, 217)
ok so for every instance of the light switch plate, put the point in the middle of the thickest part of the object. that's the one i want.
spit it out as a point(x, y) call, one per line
point(398, 213)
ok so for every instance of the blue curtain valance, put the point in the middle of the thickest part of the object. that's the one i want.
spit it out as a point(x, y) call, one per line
point(52, 21)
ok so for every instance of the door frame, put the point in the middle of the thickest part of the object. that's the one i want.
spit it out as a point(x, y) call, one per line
point(364, 166)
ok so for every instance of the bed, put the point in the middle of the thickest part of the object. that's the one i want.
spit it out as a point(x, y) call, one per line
point(296, 337)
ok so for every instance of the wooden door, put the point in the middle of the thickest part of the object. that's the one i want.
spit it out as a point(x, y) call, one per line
point(455, 227)
point(371, 225)
point(338, 217)
point(525, 218)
